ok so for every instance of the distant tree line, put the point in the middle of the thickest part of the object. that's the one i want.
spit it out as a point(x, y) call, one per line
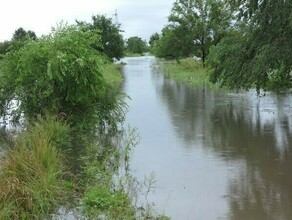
point(245, 43)
point(19, 37)
point(110, 41)
point(136, 45)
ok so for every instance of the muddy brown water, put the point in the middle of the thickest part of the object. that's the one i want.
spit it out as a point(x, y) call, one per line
point(215, 155)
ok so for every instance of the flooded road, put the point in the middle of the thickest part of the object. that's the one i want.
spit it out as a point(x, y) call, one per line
point(215, 155)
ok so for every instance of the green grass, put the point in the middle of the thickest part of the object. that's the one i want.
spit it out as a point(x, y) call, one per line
point(100, 197)
point(33, 175)
point(112, 74)
point(188, 71)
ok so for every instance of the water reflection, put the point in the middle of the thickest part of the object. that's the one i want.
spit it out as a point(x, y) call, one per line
point(253, 135)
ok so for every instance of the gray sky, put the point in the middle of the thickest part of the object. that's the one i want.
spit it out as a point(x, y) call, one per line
point(138, 17)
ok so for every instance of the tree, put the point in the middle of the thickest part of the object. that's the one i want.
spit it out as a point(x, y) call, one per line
point(197, 24)
point(4, 47)
point(112, 43)
point(20, 38)
point(20, 34)
point(264, 30)
point(58, 74)
point(172, 45)
point(154, 38)
point(229, 61)
point(136, 45)
point(31, 35)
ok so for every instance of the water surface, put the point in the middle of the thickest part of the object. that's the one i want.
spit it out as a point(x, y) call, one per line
point(215, 155)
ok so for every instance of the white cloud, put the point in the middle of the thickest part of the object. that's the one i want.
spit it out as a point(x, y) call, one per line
point(140, 18)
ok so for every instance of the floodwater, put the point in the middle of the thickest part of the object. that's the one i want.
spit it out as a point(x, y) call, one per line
point(215, 155)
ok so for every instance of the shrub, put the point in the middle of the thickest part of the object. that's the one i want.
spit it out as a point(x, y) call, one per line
point(59, 74)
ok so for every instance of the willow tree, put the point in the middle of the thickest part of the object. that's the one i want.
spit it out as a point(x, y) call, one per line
point(59, 74)
point(263, 34)
point(111, 41)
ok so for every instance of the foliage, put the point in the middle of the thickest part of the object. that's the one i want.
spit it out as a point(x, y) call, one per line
point(136, 45)
point(171, 45)
point(263, 36)
point(109, 203)
point(228, 58)
point(33, 176)
point(194, 25)
point(20, 34)
point(188, 71)
point(111, 43)
point(278, 80)
point(101, 198)
point(110, 191)
point(154, 39)
point(59, 74)
point(4, 47)
point(112, 74)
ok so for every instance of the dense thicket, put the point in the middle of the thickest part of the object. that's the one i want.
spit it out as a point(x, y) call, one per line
point(18, 39)
point(111, 42)
point(194, 25)
point(247, 42)
point(136, 45)
point(257, 52)
point(59, 74)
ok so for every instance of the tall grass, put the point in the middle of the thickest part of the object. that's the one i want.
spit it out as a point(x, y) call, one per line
point(112, 74)
point(188, 71)
point(32, 178)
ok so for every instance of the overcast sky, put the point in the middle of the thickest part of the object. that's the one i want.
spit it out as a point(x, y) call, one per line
point(137, 17)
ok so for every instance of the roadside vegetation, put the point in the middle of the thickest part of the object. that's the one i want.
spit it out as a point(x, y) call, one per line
point(188, 71)
point(64, 91)
point(244, 44)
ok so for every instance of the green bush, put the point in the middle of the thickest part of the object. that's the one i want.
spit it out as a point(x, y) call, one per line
point(58, 74)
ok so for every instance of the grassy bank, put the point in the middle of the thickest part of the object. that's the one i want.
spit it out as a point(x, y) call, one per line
point(34, 179)
point(188, 71)
point(112, 74)
point(38, 174)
